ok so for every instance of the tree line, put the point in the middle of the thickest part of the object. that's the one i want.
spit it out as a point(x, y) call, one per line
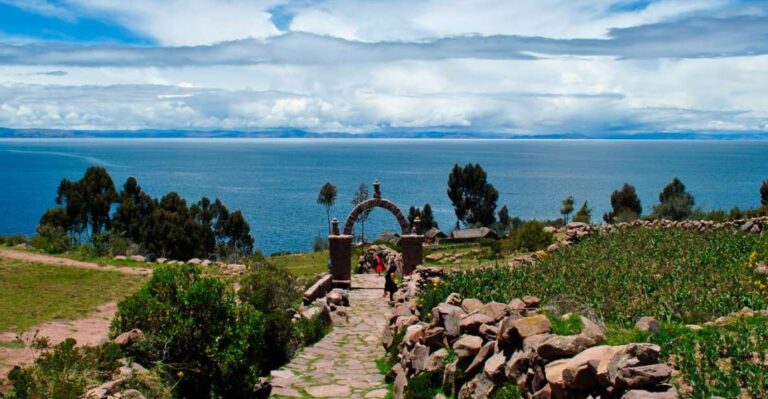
point(92, 209)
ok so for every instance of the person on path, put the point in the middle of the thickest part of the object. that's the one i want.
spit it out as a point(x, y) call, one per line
point(390, 283)
point(379, 264)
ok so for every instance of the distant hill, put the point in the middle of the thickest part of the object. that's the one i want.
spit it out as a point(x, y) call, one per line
point(295, 133)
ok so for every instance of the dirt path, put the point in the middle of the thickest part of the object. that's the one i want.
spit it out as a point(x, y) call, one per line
point(343, 363)
point(59, 261)
point(89, 331)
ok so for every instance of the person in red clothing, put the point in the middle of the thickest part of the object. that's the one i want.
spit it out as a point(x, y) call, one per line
point(379, 264)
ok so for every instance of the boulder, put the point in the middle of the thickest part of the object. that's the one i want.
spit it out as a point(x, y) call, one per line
point(452, 378)
point(513, 330)
point(648, 324)
point(454, 299)
point(393, 372)
point(479, 387)
point(436, 361)
point(121, 257)
point(632, 355)
point(489, 331)
point(643, 376)
point(132, 394)
point(482, 355)
point(560, 346)
point(129, 337)
point(471, 323)
point(592, 330)
point(335, 298)
point(467, 346)
point(658, 392)
point(205, 263)
point(494, 367)
point(494, 310)
point(433, 336)
point(401, 385)
point(413, 334)
point(554, 372)
point(161, 260)
point(589, 368)
point(517, 305)
point(194, 261)
point(419, 357)
point(138, 258)
point(531, 301)
point(452, 322)
point(471, 304)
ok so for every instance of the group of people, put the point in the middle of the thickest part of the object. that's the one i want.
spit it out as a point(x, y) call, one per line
point(390, 277)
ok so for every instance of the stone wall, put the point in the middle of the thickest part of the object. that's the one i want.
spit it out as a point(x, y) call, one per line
point(498, 344)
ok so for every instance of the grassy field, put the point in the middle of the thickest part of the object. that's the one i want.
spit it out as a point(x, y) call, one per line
point(33, 293)
point(308, 263)
point(680, 277)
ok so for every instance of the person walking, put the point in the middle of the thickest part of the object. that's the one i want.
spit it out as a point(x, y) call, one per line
point(390, 282)
point(379, 264)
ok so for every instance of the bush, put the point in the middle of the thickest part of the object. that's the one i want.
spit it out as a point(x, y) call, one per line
point(424, 385)
point(195, 327)
point(13, 240)
point(319, 243)
point(64, 372)
point(111, 244)
point(51, 239)
point(529, 236)
point(674, 275)
point(309, 331)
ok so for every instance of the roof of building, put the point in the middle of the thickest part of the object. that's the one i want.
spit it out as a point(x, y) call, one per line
point(471, 234)
point(434, 233)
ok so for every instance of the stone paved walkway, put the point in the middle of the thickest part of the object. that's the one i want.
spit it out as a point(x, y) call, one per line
point(343, 363)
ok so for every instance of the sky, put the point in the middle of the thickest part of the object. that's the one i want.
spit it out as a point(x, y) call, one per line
point(510, 66)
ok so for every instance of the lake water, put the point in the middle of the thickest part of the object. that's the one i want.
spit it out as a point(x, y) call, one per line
point(275, 182)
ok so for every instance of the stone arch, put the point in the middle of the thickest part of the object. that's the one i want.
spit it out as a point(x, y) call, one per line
point(376, 203)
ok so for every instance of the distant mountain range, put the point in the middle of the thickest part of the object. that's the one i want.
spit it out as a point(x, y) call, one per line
point(295, 134)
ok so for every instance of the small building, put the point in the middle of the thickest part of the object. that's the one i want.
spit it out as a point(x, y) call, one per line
point(470, 235)
point(389, 237)
point(434, 235)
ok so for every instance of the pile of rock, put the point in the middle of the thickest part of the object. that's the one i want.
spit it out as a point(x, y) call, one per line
point(498, 344)
point(367, 261)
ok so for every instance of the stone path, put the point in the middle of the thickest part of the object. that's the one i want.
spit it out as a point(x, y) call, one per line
point(343, 363)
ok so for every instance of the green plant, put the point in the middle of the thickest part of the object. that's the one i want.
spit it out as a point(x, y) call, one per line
point(509, 391)
point(569, 324)
point(13, 240)
point(52, 239)
point(194, 326)
point(529, 236)
point(309, 331)
point(393, 350)
point(424, 385)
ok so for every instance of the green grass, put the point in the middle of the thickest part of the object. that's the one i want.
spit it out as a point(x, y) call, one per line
point(33, 293)
point(682, 276)
point(302, 264)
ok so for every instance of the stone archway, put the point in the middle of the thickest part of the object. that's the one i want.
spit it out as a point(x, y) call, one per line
point(340, 243)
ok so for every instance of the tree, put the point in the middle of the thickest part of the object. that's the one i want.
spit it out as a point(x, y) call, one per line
point(413, 213)
point(674, 202)
point(427, 218)
point(361, 196)
point(584, 214)
point(88, 202)
point(567, 208)
point(473, 198)
point(134, 209)
point(625, 205)
point(764, 193)
point(327, 198)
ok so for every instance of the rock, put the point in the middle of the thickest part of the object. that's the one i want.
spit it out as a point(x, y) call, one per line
point(589, 368)
point(329, 391)
point(205, 263)
point(494, 367)
point(436, 361)
point(393, 372)
point(512, 330)
point(643, 376)
point(138, 258)
point(413, 334)
point(97, 393)
point(471, 304)
point(554, 371)
point(467, 346)
point(517, 366)
point(482, 355)
point(632, 355)
point(550, 229)
point(401, 385)
point(128, 338)
point(161, 260)
point(235, 268)
point(494, 310)
point(335, 298)
point(517, 305)
point(194, 261)
point(471, 323)
point(659, 392)
point(543, 393)
point(531, 344)
point(592, 330)
point(531, 301)
point(648, 324)
point(489, 331)
point(559, 346)
point(121, 257)
point(454, 299)
point(451, 378)
point(435, 257)
point(452, 322)
point(433, 337)
point(419, 357)
point(479, 387)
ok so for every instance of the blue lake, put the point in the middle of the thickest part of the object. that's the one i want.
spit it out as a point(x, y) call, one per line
point(275, 182)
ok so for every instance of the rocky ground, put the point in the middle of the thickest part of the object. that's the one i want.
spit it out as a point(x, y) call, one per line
point(343, 363)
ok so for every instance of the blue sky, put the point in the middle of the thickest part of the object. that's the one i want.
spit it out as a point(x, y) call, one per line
point(522, 67)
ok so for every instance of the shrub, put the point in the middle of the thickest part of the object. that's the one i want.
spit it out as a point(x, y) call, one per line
point(530, 236)
point(273, 291)
point(674, 275)
point(309, 331)
point(51, 239)
point(194, 326)
point(424, 385)
point(509, 391)
point(569, 324)
point(13, 240)
point(319, 243)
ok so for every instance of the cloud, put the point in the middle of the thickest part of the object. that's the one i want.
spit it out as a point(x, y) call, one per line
point(700, 37)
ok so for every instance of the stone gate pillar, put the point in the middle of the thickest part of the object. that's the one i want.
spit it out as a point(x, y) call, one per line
point(340, 247)
point(411, 246)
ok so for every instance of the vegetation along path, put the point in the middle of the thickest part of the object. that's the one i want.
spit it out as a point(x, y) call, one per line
point(343, 363)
